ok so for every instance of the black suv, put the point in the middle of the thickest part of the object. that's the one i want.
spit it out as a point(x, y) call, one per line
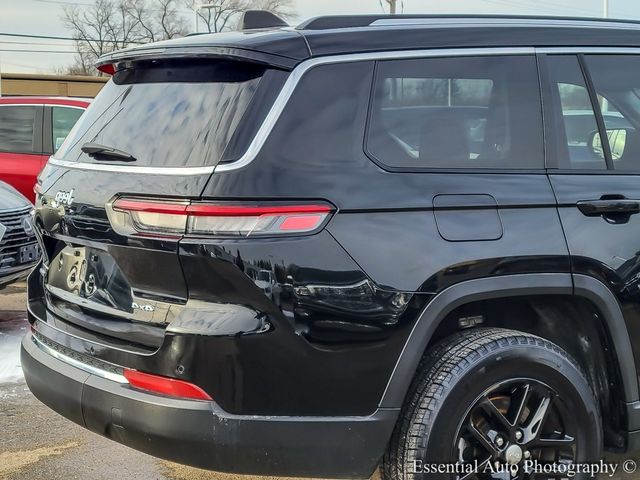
point(366, 240)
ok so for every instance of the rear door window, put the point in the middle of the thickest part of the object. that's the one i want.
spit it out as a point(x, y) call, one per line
point(578, 125)
point(462, 112)
point(176, 114)
point(62, 121)
point(17, 127)
point(616, 81)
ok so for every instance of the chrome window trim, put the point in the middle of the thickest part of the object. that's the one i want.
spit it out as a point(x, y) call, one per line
point(128, 169)
point(297, 74)
point(294, 79)
point(78, 364)
point(281, 102)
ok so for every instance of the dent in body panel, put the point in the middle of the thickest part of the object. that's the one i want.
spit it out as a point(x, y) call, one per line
point(323, 314)
point(309, 283)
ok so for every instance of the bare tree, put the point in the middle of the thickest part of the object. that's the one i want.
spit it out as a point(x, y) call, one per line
point(225, 13)
point(158, 19)
point(110, 25)
point(393, 5)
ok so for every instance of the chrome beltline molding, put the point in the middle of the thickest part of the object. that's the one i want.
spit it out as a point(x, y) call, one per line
point(78, 364)
point(294, 78)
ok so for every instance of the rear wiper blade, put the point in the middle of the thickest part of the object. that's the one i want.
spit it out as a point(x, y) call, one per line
point(102, 152)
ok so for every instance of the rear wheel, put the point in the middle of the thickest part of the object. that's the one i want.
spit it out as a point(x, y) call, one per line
point(492, 403)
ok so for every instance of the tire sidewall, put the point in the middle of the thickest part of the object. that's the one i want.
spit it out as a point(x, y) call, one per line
point(474, 376)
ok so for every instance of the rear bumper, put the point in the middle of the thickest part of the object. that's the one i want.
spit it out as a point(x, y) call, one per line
point(200, 433)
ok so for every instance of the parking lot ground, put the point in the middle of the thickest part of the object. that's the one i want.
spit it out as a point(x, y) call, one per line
point(36, 443)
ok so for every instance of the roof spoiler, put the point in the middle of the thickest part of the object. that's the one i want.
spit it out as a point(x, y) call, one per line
point(255, 19)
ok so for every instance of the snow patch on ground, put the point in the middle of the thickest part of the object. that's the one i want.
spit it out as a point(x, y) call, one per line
point(11, 332)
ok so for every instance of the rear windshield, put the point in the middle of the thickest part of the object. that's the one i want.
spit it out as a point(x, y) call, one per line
point(178, 114)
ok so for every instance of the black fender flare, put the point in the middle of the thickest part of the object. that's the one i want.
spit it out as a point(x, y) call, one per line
point(511, 286)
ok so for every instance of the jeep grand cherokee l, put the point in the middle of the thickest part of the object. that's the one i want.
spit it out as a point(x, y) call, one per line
point(455, 278)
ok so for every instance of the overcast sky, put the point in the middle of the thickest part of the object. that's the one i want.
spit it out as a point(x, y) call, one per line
point(42, 17)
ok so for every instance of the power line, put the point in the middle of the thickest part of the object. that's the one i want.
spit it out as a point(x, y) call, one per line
point(36, 51)
point(50, 44)
point(62, 2)
point(23, 65)
point(524, 4)
point(50, 37)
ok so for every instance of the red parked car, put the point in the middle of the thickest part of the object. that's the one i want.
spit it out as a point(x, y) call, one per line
point(31, 129)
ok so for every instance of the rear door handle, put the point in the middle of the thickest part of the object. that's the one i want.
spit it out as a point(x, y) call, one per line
point(604, 207)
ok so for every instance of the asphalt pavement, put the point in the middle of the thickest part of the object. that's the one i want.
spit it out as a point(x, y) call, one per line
point(37, 443)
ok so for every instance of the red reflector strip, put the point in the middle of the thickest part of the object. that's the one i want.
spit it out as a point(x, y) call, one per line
point(204, 210)
point(165, 386)
point(305, 222)
point(150, 207)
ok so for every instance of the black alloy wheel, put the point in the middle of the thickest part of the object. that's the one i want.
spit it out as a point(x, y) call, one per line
point(515, 421)
point(492, 403)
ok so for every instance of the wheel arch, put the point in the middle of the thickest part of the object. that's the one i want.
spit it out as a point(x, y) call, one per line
point(511, 286)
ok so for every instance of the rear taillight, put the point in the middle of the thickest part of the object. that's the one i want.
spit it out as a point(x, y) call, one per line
point(107, 68)
point(170, 387)
point(144, 217)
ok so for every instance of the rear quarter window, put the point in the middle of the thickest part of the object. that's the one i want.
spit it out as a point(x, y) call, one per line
point(461, 112)
point(62, 121)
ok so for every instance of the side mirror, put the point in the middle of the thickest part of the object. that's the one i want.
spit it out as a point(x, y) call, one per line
point(617, 141)
point(595, 145)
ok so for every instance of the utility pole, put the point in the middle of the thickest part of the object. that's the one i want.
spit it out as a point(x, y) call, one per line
point(605, 13)
point(392, 6)
point(197, 8)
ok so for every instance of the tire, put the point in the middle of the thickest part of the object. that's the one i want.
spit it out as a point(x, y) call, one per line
point(446, 418)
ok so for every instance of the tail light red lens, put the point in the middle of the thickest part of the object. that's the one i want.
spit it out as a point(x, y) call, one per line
point(143, 217)
point(170, 387)
point(107, 68)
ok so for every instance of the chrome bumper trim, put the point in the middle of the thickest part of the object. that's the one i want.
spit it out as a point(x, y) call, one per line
point(114, 377)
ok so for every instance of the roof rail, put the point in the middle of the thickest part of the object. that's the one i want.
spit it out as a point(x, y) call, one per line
point(354, 21)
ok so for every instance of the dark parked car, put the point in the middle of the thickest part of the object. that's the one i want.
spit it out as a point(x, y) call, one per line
point(453, 281)
point(19, 250)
